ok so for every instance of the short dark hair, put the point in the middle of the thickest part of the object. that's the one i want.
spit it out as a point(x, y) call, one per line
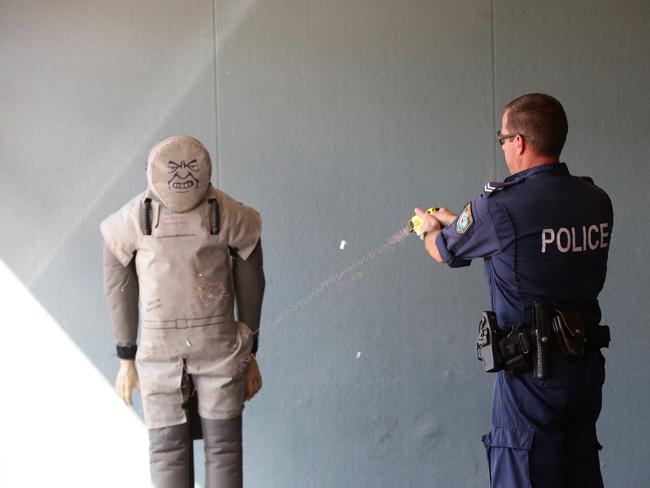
point(542, 121)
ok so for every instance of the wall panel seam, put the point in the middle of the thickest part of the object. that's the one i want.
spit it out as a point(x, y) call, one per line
point(494, 92)
point(217, 138)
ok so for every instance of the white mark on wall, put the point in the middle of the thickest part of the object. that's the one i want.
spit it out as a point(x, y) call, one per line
point(342, 246)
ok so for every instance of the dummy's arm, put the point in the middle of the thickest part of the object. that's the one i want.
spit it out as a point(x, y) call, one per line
point(121, 288)
point(248, 278)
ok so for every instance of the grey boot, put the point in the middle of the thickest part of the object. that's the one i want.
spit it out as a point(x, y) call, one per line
point(223, 453)
point(170, 457)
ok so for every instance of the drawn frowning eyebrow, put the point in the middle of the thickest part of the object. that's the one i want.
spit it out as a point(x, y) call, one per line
point(192, 165)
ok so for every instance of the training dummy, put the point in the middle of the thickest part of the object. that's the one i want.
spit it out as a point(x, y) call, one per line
point(180, 256)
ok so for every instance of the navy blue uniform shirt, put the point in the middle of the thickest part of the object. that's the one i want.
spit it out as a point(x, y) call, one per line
point(544, 234)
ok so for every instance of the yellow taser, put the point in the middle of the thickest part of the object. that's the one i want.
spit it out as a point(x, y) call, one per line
point(416, 221)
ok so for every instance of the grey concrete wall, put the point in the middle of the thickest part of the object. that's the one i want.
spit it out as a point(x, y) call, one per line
point(334, 119)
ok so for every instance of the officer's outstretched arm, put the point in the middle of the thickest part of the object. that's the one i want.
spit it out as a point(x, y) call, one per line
point(429, 230)
point(431, 248)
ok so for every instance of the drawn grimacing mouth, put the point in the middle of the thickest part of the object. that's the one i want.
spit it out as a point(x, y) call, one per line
point(182, 185)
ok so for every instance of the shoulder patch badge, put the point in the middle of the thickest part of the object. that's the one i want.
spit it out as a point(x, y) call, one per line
point(465, 219)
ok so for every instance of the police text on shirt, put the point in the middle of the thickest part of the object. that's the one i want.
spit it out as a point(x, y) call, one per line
point(576, 239)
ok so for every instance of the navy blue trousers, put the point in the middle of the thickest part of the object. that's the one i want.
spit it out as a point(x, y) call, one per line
point(544, 431)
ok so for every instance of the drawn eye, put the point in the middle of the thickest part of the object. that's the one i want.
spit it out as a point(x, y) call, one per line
point(193, 165)
point(173, 166)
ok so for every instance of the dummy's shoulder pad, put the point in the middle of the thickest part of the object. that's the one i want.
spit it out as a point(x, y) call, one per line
point(232, 209)
point(120, 230)
point(242, 225)
point(492, 187)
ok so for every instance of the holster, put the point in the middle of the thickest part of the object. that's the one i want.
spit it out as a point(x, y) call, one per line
point(569, 329)
point(487, 343)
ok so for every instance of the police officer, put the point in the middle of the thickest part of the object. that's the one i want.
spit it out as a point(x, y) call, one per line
point(544, 236)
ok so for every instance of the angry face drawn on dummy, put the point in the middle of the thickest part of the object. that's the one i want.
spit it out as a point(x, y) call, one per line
point(178, 172)
point(183, 179)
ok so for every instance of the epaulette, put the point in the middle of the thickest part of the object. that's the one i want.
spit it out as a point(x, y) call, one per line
point(492, 187)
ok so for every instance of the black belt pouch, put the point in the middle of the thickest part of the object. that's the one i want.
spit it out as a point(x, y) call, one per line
point(569, 329)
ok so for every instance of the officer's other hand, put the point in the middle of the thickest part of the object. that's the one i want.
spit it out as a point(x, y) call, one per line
point(127, 380)
point(429, 223)
point(253, 379)
point(445, 216)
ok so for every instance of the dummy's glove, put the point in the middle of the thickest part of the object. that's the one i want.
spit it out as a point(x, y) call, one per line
point(127, 380)
point(253, 379)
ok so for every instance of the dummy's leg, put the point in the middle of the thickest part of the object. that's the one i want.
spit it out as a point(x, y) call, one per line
point(170, 457)
point(223, 452)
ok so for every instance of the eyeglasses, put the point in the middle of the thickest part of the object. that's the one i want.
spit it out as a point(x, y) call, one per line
point(502, 137)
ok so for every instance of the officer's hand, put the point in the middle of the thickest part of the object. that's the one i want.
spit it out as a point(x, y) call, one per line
point(253, 379)
point(127, 380)
point(445, 216)
point(429, 223)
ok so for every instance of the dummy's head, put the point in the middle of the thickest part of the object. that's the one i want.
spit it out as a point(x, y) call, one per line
point(178, 171)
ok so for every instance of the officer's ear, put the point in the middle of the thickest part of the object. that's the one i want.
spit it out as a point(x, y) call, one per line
point(520, 142)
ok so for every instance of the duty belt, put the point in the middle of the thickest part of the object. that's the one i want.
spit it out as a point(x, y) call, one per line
point(520, 348)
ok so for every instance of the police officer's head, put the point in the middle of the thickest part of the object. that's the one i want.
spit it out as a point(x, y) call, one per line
point(535, 124)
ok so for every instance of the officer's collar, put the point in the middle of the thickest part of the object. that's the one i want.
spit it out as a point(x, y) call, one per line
point(560, 168)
